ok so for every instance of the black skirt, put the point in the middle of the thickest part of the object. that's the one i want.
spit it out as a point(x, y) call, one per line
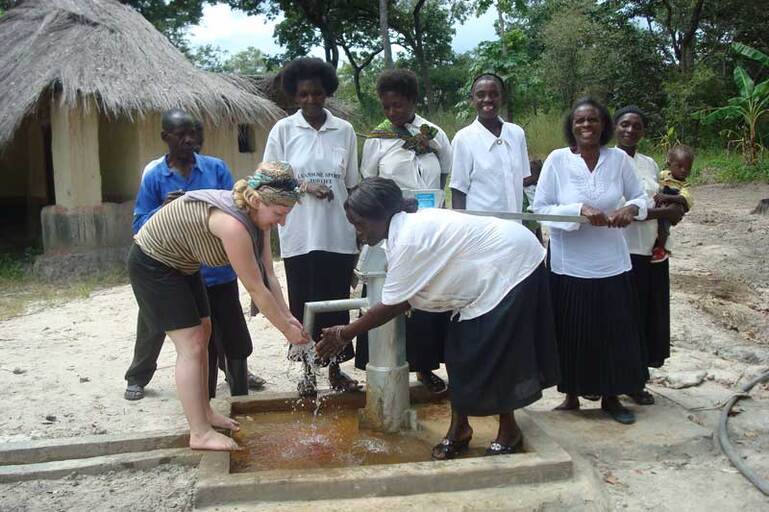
point(502, 360)
point(652, 282)
point(320, 275)
point(425, 339)
point(599, 343)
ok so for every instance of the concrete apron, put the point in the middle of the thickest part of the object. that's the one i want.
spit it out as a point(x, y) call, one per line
point(543, 461)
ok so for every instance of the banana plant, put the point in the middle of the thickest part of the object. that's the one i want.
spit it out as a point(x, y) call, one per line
point(748, 108)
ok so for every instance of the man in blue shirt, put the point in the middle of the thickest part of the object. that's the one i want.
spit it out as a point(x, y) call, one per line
point(164, 180)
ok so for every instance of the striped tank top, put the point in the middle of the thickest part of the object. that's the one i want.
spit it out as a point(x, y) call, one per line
point(178, 236)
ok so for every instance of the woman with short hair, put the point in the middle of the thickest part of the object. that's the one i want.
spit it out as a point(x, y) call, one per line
point(214, 228)
point(652, 281)
point(415, 154)
point(489, 274)
point(594, 296)
point(317, 243)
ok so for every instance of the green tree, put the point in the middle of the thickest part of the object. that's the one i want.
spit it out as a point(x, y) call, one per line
point(748, 108)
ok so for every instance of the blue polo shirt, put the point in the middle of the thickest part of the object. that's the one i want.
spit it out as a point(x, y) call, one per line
point(158, 180)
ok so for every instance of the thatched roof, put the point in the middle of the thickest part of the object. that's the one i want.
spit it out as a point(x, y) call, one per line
point(269, 86)
point(108, 51)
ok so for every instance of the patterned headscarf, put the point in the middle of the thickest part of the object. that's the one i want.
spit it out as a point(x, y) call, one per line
point(274, 182)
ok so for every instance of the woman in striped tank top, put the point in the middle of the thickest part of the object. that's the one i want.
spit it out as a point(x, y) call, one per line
point(215, 228)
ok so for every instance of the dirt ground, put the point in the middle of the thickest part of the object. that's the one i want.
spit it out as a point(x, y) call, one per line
point(62, 366)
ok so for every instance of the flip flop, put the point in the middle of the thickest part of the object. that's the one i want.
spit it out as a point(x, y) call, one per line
point(433, 383)
point(134, 392)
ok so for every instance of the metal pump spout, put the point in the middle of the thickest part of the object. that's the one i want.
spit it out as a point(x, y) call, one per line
point(387, 372)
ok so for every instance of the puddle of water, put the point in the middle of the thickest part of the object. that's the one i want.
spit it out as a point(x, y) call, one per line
point(300, 440)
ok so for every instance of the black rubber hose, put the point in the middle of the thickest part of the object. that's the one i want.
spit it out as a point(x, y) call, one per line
point(723, 437)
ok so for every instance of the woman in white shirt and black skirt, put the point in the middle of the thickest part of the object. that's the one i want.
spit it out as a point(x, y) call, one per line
point(317, 243)
point(652, 280)
point(594, 297)
point(416, 155)
point(500, 348)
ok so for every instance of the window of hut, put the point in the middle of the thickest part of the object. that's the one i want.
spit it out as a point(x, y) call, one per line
point(246, 138)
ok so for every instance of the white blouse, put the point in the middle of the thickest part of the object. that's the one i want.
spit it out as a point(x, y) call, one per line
point(388, 159)
point(328, 156)
point(640, 236)
point(439, 260)
point(489, 169)
point(565, 185)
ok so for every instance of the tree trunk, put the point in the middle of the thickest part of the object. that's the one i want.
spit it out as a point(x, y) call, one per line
point(419, 54)
point(384, 33)
point(762, 207)
point(501, 21)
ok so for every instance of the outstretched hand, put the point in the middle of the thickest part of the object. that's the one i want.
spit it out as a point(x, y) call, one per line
point(332, 342)
point(296, 335)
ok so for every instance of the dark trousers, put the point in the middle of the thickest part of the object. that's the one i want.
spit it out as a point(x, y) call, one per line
point(320, 275)
point(230, 343)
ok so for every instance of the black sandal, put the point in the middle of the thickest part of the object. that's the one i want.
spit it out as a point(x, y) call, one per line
point(643, 397)
point(432, 382)
point(497, 448)
point(344, 383)
point(308, 386)
point(448, 449)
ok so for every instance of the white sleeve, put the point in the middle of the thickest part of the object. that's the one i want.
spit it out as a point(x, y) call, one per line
point(632, 187)
point(369, 163)
point(546, 197)
point(444, 151)
point(274, 149)
point(461, 165)
point(351, 177)
point(524, 155)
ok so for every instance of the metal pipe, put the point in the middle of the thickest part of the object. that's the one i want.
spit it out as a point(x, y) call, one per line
point(328, 306)
point(528, 216)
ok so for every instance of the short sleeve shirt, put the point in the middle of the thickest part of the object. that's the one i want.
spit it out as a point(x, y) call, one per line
point(490, 169)
point(387, 158)
point(439, 260)
point(328, 156)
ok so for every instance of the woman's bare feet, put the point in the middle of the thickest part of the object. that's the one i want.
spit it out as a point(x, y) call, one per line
point(212, 440)
point(217, 420)
point(570, 403)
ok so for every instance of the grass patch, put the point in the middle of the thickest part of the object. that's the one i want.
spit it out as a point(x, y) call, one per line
point(25, 293)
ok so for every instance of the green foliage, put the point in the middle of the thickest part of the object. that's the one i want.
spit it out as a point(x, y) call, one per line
point(250, 61)
point(748, 109)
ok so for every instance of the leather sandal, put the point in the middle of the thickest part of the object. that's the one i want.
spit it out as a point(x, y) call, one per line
point(497, 448)
point(344, 383)
point(432, 382)
point(643, 397)
point(134, 392)
point(308, 386)
point(448, 449)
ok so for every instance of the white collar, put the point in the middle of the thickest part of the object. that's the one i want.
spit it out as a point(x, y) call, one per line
point(488, 138)
point(331, 122)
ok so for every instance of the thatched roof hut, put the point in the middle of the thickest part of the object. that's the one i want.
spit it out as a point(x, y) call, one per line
point(83, 84)
point(108, 51)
